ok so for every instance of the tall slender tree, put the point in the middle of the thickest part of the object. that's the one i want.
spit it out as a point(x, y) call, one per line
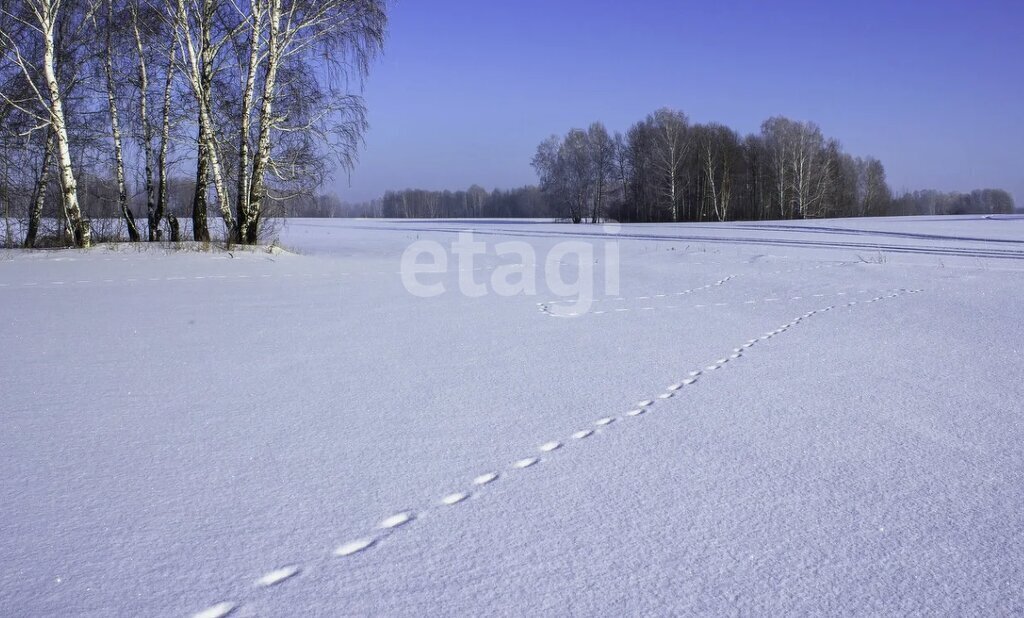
point(671, 146)
point(108, 30)
point(602, 161)
point(345, 35)
point(39, 20)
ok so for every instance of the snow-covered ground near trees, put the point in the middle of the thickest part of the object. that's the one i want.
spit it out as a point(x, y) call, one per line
point(777, 418)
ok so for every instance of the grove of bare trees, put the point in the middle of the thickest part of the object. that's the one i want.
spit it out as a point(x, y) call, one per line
point(102, 100)
point(666, 168)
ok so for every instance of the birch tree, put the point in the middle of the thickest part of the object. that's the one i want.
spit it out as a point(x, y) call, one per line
point(717, 146)
point(602, 161)
point(343, 35)
point(811, 169)
point(115, 123)
point(39, 21)
point(801, 165)
point(671, 146)
point(162, 193)
point(39, 193)
point(200, 41)
point(775, 133)
point(154, 40)
point(143, 29)
point(256, 22)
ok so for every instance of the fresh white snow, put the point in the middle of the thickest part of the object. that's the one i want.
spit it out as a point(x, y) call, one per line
point(845, 435)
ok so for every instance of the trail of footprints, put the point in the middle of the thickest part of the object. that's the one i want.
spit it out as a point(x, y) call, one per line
point(754, 301)
point(546, 308)
point(662, 295)
point(552, 303)
point(391, 524)
point(550, 308)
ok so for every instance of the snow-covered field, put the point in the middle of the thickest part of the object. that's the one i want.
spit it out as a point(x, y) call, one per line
point(794, 418)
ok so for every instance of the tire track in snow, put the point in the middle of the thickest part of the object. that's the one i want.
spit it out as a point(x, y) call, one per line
point(403, 520)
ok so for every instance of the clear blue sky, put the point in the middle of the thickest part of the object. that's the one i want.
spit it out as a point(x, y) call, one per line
point(466, 89)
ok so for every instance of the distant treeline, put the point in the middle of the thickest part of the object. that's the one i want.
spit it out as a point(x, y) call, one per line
point(980, 201)
point(530, 202)
point(666, 169)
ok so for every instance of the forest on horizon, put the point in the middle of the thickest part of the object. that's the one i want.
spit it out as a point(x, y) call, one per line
point(666, 169)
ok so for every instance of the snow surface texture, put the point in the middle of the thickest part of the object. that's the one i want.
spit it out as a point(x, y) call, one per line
point(799, 418)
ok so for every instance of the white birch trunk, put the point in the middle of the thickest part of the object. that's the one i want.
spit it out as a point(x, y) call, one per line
point(79, 227)
point(244, 181)
point(115, 130)
point(165, 133)
point(266, 120)
point(200, 78)
point(152, 220)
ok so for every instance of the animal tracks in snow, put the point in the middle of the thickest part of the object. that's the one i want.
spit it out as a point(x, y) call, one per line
point(547, 447)
point(399, 519)
point(216, 611)
point(455, 498)
point(277, 576)
point(354, 547)
point(547, 308)
point(484, 479)
point(525, 463)
point(394, 523)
